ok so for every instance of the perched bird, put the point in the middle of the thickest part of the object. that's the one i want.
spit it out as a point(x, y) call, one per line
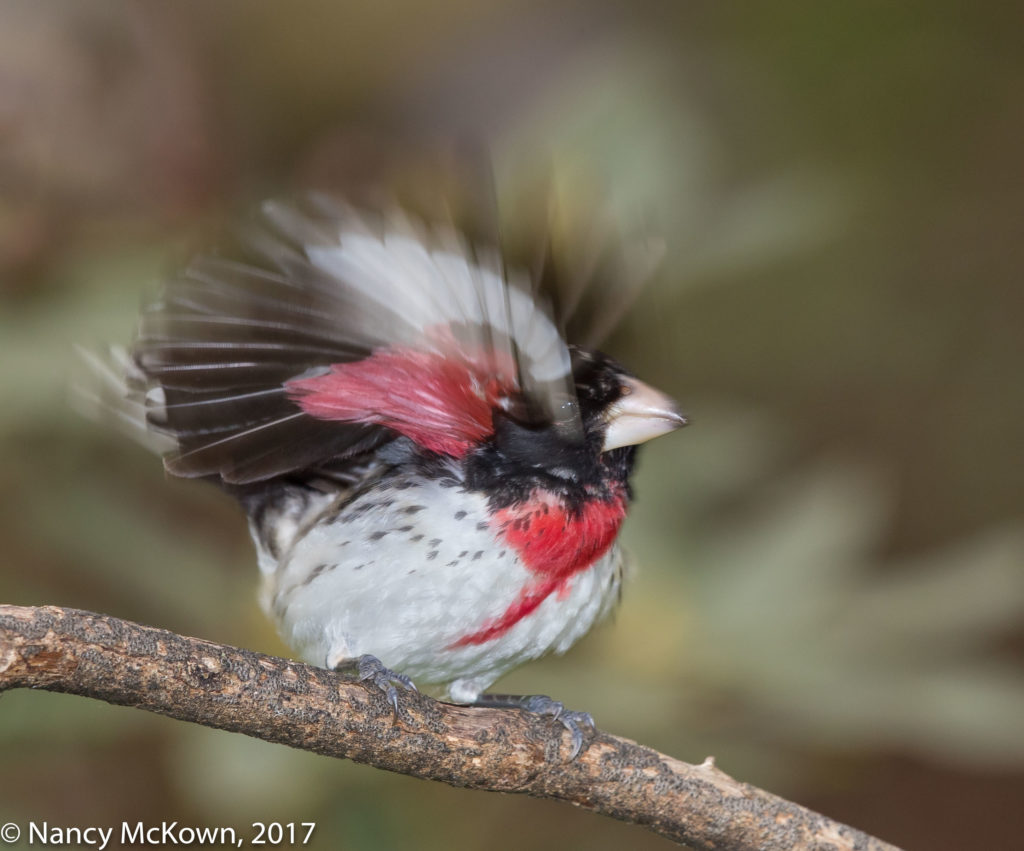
point(434, 478)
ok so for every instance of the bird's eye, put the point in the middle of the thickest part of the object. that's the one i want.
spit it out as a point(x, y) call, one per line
point(567, 414)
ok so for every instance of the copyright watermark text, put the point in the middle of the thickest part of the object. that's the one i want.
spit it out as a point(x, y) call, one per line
point(166, 833)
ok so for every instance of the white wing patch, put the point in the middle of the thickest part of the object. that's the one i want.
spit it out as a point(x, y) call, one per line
point(433, 279)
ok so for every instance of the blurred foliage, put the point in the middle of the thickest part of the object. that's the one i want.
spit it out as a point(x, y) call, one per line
point(829, 594)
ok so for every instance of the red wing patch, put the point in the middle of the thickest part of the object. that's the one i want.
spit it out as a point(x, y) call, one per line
point(555, 545)
point(442, 401)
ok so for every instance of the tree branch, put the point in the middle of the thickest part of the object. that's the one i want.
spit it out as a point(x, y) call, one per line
point(277, 700)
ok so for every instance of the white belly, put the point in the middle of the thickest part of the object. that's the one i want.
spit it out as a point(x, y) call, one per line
point(435, 575)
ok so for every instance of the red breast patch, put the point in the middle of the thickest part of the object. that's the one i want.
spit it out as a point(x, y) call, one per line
point(554, 544)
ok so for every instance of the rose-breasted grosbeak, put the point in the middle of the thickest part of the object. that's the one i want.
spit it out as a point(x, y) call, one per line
point(434, 479)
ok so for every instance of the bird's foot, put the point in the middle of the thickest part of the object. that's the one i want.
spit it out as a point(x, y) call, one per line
point(370, 669)
point(541, 704)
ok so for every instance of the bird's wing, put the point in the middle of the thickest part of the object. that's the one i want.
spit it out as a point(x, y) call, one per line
point(333, 331)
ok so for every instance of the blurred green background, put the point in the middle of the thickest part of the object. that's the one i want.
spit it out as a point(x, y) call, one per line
point(830, 586)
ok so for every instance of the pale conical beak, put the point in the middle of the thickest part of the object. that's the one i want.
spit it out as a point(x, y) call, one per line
point(641, 414)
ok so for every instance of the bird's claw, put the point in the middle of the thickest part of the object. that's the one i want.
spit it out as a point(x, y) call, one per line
point(573, 721)
point(371, 669)
point(541, 704)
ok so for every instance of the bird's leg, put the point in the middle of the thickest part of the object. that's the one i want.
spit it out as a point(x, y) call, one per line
point(541, 704)
point(370, 669)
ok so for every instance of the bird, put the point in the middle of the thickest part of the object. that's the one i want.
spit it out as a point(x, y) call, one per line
point(433, 477)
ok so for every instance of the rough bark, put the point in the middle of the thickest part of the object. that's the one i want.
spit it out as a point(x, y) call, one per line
point(278, 700)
